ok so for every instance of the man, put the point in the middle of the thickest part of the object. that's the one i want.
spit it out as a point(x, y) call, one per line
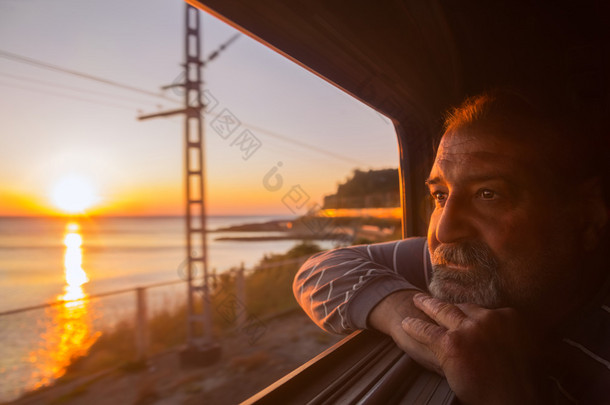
point(509, 296)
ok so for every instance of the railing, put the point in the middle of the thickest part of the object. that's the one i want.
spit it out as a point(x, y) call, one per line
point(140, 305)
point(24, 329)
point(364, 368)
point(39, 342)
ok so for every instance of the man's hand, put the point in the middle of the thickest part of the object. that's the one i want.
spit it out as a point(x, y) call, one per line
point(486, 355)
point(387, 317)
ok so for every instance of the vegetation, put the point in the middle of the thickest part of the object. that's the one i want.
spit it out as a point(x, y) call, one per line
point(268, 289)
point(372, 189)
point(268, 292)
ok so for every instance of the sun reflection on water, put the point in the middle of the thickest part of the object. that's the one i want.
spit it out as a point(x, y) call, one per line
point(68, 333)
point(73, 262)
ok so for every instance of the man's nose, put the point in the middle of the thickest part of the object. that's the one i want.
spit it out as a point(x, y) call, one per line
point(454, 224)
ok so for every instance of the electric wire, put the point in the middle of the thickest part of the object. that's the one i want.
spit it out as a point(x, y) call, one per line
point(71, 88)
point(304, 145)
point(255, 128)
point(49, 66)
point(212, 56)
point(52, 93)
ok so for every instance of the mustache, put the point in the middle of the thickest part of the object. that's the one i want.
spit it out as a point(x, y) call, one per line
point(470, 254)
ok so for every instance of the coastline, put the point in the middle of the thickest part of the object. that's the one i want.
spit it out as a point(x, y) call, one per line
point(120, 240)
point(291, 340)
point(285, 338)
point(352, 224)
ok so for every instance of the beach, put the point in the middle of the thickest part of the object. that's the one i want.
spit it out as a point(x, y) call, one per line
point(245, 368)
point(113, 254)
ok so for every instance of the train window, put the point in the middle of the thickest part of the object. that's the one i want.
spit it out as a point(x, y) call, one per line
point(93, 204)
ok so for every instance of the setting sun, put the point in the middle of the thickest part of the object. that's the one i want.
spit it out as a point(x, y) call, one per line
point(74, 194)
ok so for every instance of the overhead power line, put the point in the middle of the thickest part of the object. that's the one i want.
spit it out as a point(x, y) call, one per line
point(30, 80)
point(253, 127)
point(52, 93)
point(221, 48)
point(305, 145)
point(49, 66)
point(213, 55)
point(210, 58)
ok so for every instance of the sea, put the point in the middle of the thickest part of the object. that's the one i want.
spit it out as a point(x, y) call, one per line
point(48, 259)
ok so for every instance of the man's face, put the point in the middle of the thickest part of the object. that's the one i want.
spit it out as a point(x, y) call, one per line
point(498, 236)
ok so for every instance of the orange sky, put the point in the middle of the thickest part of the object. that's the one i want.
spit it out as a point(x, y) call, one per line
point(55, 124)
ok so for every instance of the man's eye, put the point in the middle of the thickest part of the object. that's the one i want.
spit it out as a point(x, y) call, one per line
point(439, 196)
point(487, 194)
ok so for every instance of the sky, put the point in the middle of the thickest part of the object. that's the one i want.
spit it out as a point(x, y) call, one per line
point(55, 126)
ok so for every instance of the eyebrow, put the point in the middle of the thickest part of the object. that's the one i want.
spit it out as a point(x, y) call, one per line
point(430, 181)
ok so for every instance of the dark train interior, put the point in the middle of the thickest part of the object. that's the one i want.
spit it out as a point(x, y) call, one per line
point(411, 60)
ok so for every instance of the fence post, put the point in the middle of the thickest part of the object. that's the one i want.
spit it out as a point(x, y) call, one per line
point(240, 292)
point(141, 325)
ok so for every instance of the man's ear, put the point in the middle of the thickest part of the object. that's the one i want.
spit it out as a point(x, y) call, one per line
point(594, 212)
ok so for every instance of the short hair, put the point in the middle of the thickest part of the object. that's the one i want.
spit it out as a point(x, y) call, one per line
point(497, 106)
point(567, 144)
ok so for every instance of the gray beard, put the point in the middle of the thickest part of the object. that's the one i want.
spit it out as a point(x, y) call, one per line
point(480, 285)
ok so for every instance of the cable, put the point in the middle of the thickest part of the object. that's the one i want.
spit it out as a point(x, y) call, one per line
point(67, 96)
point(212, 56)
point(250, 126)
point(60, 86)
point(48, 66)
point(221, 48)
point(305, 145)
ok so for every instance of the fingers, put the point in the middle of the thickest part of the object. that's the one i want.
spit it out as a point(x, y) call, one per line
point(443, 313)
point(424, 332)
point(432, 335)
point(419, 352)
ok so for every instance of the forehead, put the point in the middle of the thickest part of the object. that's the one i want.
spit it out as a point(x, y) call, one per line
point(484, 152)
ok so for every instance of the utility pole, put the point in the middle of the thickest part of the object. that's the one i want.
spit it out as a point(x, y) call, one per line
point(201, 348)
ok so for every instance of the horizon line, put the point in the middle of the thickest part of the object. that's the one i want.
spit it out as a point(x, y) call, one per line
point(142, 216)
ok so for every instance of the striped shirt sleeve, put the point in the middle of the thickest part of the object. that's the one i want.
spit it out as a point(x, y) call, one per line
point(339, 288)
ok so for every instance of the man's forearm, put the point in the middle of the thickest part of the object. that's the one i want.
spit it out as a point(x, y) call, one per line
point(388, 315)
point(338, 289)
point(392, 310)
